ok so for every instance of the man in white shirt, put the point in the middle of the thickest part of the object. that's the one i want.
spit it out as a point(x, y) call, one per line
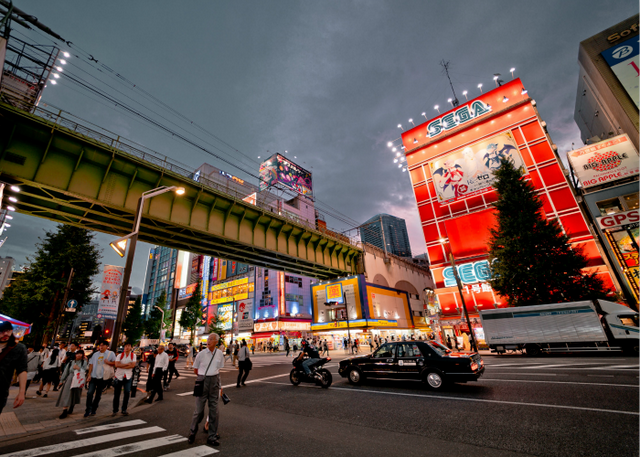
point(125, 363)
point(95, 377)
point(160, 366)
point(207, 366)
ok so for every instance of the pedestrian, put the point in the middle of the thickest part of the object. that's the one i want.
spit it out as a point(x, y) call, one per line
point(173, 355)
point(72, 382)
point(253, 349)
point(33, 362)
point(161, 365)
point(125, 363)
point(50, 368)
point(287, 347)
point(227, 352)
point(236, 348)
point(449, 342)
point(13, 358)
point(190, 350)
point(244, 364)
point(101, 366)
point(151, 359)
point(207, 367)
point(326, 348)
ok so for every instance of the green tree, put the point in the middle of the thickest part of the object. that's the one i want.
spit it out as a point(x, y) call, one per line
point(215, 326)
point(531, 259)
point(192, 312)
point(133, 325)
point(153, 324)
point(36, 296)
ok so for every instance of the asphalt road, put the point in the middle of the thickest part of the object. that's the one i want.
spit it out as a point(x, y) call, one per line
point(547, 406)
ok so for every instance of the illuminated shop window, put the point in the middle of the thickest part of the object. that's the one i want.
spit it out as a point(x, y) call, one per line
point(631, 201)
point(610, 206)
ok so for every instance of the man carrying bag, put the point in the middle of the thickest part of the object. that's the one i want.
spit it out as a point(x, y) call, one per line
point(207, 366)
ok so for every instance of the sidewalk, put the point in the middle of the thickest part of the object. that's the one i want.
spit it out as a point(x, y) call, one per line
point(38, 413)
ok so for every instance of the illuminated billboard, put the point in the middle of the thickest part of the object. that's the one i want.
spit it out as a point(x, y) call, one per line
point(623, 61)
point(225, 316)
point(278, 169)
point(469, 171)
point(603, 162)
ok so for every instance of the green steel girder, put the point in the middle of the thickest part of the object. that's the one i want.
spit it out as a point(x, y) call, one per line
point(72, 178)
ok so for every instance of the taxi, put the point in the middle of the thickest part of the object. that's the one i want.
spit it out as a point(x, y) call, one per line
point(428, 361)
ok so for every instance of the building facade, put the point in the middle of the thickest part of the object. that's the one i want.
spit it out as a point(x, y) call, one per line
point(160, 276)
point(451, 159)
point(388, 233)
point(607, 99)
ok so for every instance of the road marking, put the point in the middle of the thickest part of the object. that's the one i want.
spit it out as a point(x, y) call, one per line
point(635, 386)
point(136, 447)
point(102, 428)
point(64, 447)
point(617, 367)
point(479, 400)
point(560, 365)
point(601, 375)
point(199, 451)
point(184, 394)
point(534, 374)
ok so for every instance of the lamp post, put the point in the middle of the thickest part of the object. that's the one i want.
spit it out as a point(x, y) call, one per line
point(161, 322)
point(120, 246)
point(464, 306)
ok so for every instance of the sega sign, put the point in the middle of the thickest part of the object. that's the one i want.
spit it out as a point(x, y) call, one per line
point(458, 117)
point(470, 273)
point(618, 219)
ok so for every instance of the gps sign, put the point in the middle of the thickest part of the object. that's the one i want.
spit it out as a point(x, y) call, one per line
point(619, 219)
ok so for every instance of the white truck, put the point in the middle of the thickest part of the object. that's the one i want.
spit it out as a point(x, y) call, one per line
point(582, 326)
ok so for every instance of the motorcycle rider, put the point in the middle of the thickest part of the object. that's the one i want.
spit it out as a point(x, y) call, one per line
point(314, 357)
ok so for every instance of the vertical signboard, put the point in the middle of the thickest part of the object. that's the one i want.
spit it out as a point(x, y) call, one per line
point(623, 61)
point(245, 315)
point(110, 292)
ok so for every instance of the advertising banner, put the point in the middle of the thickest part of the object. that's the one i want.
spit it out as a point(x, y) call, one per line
point(623, 61)
point(469, 171)
point(225, 315)
point(279, 169)
point(334, 293)
point(245, 315)
point(186, 292)
point(110, 292)
point(603, 162)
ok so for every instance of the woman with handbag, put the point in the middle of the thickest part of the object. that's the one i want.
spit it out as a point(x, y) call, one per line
point(72, 382)
point(244, 364)
point(49, 371)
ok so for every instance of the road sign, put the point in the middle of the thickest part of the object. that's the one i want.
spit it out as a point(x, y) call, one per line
point(71, 306)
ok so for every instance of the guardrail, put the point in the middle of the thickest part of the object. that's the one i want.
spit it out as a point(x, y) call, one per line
point(115, 141)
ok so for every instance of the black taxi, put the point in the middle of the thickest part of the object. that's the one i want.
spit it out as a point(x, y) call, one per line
point(428, 361)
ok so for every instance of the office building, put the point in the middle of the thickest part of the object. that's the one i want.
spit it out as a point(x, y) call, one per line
point(388, 233)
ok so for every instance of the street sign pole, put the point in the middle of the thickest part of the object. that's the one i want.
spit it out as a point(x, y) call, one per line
point(464, 306)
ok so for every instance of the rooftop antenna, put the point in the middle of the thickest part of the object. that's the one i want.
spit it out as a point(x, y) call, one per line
point(445, 65)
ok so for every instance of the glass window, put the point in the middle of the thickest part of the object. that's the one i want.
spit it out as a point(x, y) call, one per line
point(386, 350)
point(611, 206)
point(409, 350)
point(439, 348)
point(631, 201)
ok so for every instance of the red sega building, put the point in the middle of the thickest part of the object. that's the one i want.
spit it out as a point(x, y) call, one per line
point(450, 159)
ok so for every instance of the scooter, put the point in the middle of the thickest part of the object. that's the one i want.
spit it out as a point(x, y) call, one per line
point(319, 376)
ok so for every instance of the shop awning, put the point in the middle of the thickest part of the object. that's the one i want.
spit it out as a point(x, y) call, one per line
point(20, 328)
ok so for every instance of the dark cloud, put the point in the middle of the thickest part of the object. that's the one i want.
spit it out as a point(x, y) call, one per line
point(327, 81)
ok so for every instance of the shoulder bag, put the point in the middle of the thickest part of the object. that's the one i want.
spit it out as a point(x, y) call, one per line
point(108, 371)
point(198, 388)
point(248, 365)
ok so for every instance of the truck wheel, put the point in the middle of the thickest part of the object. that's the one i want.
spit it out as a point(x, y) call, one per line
point(532, 350)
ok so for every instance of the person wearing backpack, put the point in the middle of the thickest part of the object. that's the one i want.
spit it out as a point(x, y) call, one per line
point(100, 367)
point(125, 363)
point(244, 364)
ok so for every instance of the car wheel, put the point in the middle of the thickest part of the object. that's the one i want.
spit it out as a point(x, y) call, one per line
point(355, 376)
point(293, 377)
point(434, 379)
point(326, 378)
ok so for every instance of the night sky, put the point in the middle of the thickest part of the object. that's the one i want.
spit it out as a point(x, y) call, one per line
point(326, 81)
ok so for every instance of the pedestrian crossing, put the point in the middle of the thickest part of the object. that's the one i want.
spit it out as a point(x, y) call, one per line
point(129, 438)
point(576, 365)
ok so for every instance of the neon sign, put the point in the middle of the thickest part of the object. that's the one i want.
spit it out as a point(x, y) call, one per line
point(470, 273)
point(458, 117)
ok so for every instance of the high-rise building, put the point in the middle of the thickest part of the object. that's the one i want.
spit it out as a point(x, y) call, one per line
point(607, 100)
point(388, 233)
point(161, 270)
point(6, 265)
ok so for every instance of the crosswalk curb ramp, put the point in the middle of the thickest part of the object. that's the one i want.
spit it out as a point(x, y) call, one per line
point(137, 437)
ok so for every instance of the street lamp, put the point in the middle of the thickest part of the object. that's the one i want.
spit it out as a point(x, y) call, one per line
point(121, 244)
point(161, 322)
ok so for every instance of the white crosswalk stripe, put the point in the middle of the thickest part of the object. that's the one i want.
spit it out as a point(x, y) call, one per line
point(134, 441)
